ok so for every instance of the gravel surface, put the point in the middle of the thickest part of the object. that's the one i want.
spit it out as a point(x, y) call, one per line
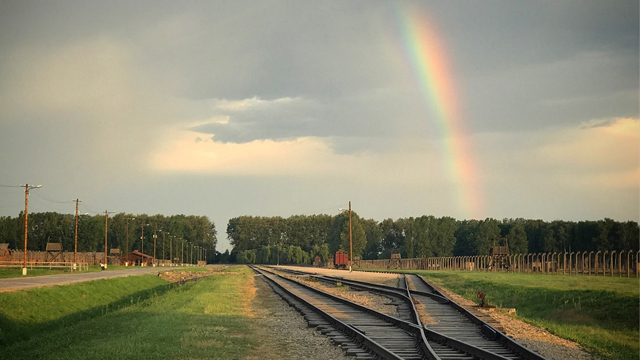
point(283, 331)
point(379, 303)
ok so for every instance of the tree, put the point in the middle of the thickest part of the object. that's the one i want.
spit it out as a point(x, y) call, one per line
point(517, 239)
point(373, 235)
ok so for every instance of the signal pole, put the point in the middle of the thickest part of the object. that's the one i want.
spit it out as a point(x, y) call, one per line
point(75, 246)
point(26, 228)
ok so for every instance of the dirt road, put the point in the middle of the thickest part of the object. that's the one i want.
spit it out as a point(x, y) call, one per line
point(13, 284)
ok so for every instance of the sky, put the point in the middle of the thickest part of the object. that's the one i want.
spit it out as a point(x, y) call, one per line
point(470, 109)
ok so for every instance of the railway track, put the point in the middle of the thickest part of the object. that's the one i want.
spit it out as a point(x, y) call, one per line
point(361, 332)
point(449, 327)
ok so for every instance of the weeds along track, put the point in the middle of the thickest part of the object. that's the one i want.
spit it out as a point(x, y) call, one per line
point(448, 326)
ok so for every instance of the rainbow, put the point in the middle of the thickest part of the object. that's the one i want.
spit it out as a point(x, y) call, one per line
point(428, 57)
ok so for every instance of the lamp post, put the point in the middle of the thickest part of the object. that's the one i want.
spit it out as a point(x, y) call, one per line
point(106, 225)
point(127, 249)
point(142, 236)
point(163, 259)
point(155, 236)
point(26, 216)
point(350, 241)
point(75, 242)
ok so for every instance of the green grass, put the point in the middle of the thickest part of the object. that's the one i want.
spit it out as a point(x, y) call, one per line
point(195, 268)
point(197, 320)
point(31, 312)
point(12, 272)
point(600, 313)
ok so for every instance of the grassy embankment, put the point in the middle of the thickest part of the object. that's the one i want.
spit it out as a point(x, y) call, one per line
point(600, 313)
point(140, 317)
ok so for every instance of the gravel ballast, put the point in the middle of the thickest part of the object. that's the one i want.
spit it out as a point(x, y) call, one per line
point(284, 333)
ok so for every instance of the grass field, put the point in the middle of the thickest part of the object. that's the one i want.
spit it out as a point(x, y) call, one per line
point(601, 314)
point(207, 318)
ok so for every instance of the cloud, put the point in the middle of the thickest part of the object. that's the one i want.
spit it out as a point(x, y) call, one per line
point(600, 156)
point(257, 119)
point(580, 170)
point(91, 77)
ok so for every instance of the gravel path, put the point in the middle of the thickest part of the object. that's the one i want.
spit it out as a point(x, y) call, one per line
point(283, 331)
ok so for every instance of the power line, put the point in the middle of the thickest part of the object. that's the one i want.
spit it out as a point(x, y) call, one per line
point(10, 206)
point(9, 186)
point(91, 210)
point(50, 200)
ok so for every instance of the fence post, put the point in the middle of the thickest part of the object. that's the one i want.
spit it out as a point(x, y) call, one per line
point(613, 252)
point(620, 253)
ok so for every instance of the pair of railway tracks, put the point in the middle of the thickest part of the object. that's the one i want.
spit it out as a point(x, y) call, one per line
point(451, 331)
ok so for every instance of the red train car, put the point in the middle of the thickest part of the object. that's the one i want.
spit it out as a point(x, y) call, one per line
point(340, 260)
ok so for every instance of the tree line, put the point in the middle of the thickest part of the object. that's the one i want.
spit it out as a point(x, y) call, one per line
point(300, 238)
point(49, 227)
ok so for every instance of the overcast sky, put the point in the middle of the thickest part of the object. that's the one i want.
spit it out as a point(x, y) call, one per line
point(229, 108)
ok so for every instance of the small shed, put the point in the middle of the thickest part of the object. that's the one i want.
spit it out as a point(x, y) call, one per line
point(136, 258)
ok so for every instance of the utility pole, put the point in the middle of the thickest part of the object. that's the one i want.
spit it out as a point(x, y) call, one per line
point(182, 253)
point(171, 249)
point(350, 241)
point(75, 246)
point(26, 223)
